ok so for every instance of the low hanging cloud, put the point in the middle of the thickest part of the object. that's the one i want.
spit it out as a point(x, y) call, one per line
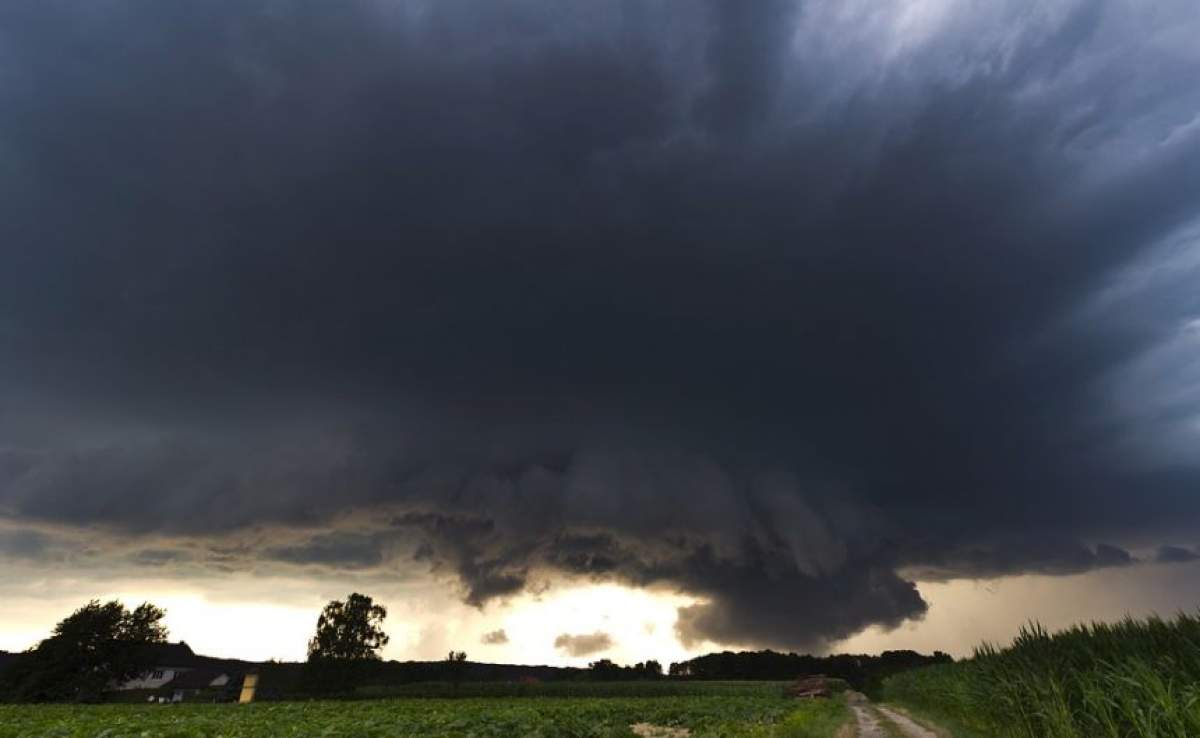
point(585, 644)
point(494, 638)
point(1176, 555)
point(782, 306)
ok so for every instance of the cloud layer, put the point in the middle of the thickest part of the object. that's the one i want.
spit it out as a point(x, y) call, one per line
point(776, 304)
point(584, 644)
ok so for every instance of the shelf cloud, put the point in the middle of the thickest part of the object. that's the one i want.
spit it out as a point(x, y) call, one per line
point(781, 305)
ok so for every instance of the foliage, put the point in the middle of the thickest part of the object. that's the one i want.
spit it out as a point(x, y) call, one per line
point(818, 719)
point(1132, 679)
point(606, 671)
point(96, 645)
point(862, 671)
point(350, 630)
point(456, 662)
point(347, 642)
point(765, 716)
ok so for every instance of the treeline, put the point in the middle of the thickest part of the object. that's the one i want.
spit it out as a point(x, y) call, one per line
point(863, 672)
point(605, 670)
point(330, 677)
point(290, 680)
point(100, 646)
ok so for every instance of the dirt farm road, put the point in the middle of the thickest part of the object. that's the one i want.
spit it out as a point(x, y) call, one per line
point(871, 720)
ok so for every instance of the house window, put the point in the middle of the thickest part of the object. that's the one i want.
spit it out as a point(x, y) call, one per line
point(158, 674)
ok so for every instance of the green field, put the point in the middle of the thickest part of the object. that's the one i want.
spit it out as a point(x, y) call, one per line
point(760, 712)
point(579, 688)
point(1133, 679)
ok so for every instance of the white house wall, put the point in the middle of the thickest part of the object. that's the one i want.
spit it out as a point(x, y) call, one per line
point(148, 680)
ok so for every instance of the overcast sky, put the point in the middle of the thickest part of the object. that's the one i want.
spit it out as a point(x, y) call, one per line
point(756, 324)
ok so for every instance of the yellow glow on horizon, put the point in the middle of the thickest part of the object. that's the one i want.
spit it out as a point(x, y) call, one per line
point(258, 618)
point(641, 624)
point(254, 631)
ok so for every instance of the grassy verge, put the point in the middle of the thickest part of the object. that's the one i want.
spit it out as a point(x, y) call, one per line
point(944, 725)
point(815, 719)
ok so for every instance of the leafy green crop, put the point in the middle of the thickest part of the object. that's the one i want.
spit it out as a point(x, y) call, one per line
point(1133, 679)
point(759, 715)
point(583, 688)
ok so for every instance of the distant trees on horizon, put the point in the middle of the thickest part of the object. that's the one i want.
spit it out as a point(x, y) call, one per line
point(605, 670)
point(862, 671)
point(103, 644)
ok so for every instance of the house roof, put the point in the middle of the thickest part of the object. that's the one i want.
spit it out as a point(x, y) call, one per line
point(170, 654)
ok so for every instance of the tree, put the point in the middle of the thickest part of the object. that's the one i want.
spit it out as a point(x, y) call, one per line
point(456, 664)
point(604, 670)
point(93, 648)
point(144, 625)
point(349, 631)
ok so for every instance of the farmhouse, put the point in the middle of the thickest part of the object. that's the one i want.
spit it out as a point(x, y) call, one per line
point(180, 674)
point(191, 683)
point(169, 659)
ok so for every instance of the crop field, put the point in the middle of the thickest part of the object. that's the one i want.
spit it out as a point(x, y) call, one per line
point(582, 688)
point(761, 713)
point(1133, 679)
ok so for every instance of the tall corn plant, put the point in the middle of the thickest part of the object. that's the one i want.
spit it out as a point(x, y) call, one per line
point(1131, 679)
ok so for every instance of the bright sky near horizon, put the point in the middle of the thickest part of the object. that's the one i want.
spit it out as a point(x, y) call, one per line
point(242, 619)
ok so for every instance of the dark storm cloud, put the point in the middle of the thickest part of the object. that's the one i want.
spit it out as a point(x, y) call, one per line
point(1018, 554)
point(20, 544)
point(1175, 555)
point(341, 550)
point(763, 302)
point(158, 557)
point(747, 55)
point(584, 644)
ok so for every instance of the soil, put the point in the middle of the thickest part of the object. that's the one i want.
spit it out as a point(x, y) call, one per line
point(873, 720)
point(907, 724)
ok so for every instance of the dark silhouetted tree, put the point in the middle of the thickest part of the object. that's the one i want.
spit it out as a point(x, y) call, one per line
point(456, 666)
point(604, 670)
point(88, 652)
point(349, 631)
point(863, 672)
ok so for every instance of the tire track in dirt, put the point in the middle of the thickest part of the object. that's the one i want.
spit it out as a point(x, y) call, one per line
point(867, 720)
point(909, 726)
point(873, 721)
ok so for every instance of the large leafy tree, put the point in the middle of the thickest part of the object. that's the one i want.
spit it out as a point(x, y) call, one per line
point(89, 651)
point(349, 631)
